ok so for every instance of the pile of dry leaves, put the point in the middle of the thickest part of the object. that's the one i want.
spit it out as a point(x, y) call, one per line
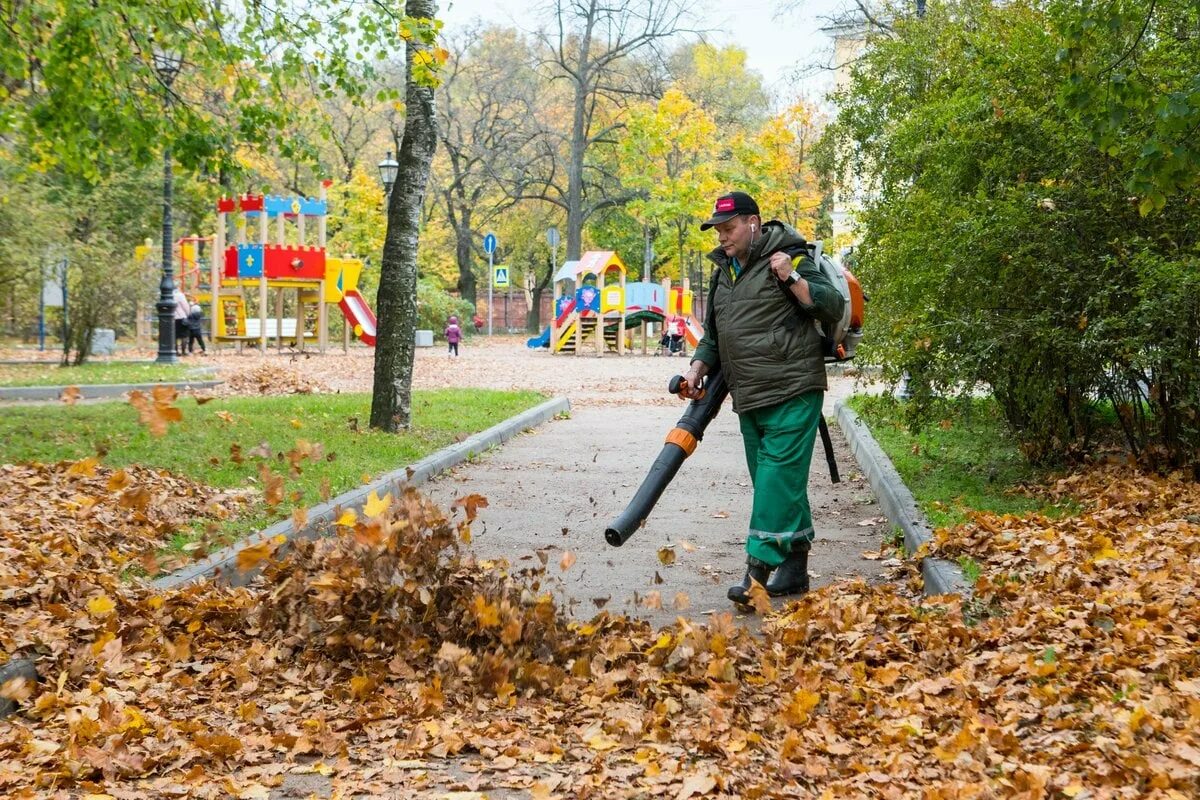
point(269, 379)
point(402, 664)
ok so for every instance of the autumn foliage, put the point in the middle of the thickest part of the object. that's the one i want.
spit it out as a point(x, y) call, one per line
point(1073, 671)
point(1075, 665)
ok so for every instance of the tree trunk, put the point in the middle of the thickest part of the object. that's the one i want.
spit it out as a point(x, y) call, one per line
point(575, 218)
point(465, 257)
point(579, 141)
point(533, 320)
point(391, 399)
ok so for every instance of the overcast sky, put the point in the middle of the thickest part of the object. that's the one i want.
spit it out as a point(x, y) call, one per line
point(776, 44)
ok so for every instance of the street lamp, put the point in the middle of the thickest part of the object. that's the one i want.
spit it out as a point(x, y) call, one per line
point(167, 64)
point(388, 169)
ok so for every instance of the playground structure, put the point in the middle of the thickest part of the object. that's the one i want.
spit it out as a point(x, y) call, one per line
point(253, 261)
point(592, 294)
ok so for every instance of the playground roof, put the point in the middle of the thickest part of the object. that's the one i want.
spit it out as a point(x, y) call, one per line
point(593, 262)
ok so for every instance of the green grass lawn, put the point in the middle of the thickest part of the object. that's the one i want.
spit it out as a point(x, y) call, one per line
point(967, 461)
point(200, 447)
point(92, 373)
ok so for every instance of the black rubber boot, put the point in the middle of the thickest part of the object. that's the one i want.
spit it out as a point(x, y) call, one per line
point(755, 571)
point(791, 577)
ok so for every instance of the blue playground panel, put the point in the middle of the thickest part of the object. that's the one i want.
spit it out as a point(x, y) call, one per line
point(308, 206)
point(587, 298)
point(250, 260)
point(641, 296)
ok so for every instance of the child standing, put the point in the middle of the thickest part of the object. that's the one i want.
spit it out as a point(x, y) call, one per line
point(453, 336)
point(195, 328)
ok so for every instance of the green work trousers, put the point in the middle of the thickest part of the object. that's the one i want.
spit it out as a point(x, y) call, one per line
point(779, 444)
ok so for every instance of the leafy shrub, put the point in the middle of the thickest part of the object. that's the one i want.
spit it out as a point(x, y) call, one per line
point(1001, 245)
point(435, 306)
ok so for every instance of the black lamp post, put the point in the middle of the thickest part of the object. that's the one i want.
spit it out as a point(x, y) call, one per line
point(167, 64)
point(388, 169)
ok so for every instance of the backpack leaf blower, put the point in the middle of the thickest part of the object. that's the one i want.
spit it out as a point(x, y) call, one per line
point(681, 442)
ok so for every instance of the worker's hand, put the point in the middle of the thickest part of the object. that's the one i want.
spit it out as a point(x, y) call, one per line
point(781, 265)
point(693, 388)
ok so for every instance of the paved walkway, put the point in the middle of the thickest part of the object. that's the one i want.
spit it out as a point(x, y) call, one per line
point(555, 490)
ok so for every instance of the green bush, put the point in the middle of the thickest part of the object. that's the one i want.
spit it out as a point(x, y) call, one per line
point(1002, 247)
point(435, 306)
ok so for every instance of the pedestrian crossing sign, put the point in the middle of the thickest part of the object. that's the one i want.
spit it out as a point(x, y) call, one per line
point(500, 277)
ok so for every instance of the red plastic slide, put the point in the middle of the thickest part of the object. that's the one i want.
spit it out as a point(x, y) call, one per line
point(359, 315)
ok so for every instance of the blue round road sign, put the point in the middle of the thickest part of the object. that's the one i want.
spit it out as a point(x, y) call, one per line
point(489, 243)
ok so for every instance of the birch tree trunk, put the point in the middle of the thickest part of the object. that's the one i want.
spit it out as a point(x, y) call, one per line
point(391, 400)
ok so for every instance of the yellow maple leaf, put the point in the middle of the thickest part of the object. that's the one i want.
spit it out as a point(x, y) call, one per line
point(250, 557)
point(84, 467)
point(487, 613)
point(759, 599)
point(601, 742)
point(376, 505)
point(118, 481)
point(100, 605)
point(348, 518)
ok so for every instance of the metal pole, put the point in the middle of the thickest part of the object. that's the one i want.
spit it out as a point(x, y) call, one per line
point(491, 280)
point(166, 288)
point(62, 271)
point(42, 310)
point(646, 254)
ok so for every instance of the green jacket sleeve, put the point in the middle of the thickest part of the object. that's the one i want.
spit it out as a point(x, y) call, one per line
point(828, 305)
point(706, 348)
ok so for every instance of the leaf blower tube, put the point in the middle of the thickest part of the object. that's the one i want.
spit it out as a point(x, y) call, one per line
point(681, 442)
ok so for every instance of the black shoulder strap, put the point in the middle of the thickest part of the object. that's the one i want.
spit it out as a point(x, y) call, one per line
point(801, 249)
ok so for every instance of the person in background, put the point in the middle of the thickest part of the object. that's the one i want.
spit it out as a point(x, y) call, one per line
point(453, 336)
point(477, 321)
point(195, 326)
point(677, 329)
point(183, 307)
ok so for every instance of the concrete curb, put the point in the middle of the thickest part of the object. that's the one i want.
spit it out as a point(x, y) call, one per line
point(17, 668)
point(222, 565)
point(940, 576)
point(96, 391)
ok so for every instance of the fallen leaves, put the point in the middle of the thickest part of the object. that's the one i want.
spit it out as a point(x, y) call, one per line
point(1072, 670)
point(269, 379)
point(157, 410)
